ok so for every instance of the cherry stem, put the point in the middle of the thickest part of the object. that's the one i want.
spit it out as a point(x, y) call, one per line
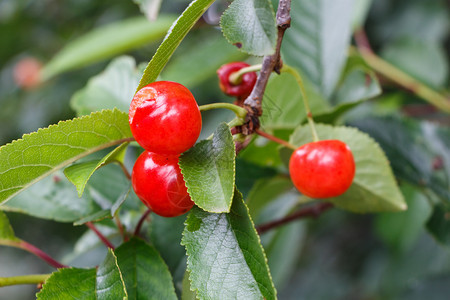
point(124, 170)
point(298, 78)
point(25, 279)
point(137, 231)
point(121, 228)
point(240, 112)
point(39, 253)
point(100, 235)
point(396, 75)
point(310, 211)
point(275, 139)
point(236, 77)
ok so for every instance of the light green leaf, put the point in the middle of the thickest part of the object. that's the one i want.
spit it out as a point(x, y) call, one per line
point(359, 12)
point(150, 8)
point(6, 232)
point(208, 169)
point(374, 188)
point(173, 38)
point(250, 25)
point(283, 104)
point(200, 61)
point(105, 42)
point(80, 173)
point(186, 293)
point(225, 257)
point(105, 282)
point(318, 40)
point(113, 88)
point(145, 274)
point(28, 160)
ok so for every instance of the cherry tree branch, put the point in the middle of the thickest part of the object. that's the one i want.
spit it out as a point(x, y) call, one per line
point(271, 63)
point(310, 211)
point(141, 221)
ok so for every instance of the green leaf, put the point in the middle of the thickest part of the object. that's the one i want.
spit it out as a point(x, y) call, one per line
point(208, 169)
point(41, 153)
point(113, 88)
point(186, 293)
point(80, 173)
point(358, 83)
point(199, 61)
point(439, 223)
point(374, 188)
point(145, 274)
point(176, 34)
point(225, 257)
point(318, 40)
point(248, 173)
point(105, 42)
point(424, 60)
point(250, 25)
point(412, 147)
point(360, 11)
point(150, 8)
point(283, 104)
point(106, 282)
point(401, 230)
point(6, 232)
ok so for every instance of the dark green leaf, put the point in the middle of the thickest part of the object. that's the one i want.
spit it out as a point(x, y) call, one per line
point(38, 154)
point(439, 223)
point(250, 25)
point(209, 170)
point(70, 283)
point(113, 88)
point(145, 274)
point(248, 173)
point(225, 257)
point(318, 40)
point(374, 188)
point(176, 33)
point(105, 42)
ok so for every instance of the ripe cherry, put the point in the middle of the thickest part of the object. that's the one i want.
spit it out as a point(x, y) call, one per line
point(158, 182)
point(322, 169)
point(244, 88)
point(164, 118)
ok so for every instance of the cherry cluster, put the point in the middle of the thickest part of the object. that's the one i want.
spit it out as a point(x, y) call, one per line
point(166, 121)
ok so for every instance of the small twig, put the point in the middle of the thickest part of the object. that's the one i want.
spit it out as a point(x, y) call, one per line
point(39, 253)
point(275, 139)
point(236, 77)
point(100, 235)
point(311, 211)
point(141, 221)
point(25, 279)
point(270, 63)
point(125, 170)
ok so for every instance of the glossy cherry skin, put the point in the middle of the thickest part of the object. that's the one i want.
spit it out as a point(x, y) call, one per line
point(164, 118)
point(242, 89)
point(322, 169)
point(158, 182)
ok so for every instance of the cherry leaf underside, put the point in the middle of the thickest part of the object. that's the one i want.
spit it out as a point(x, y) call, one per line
point(174, 36)
point(26, 161)
point(250, 25)
point(209, 171)
point(105, 282)
point(374, 188)
point(145, 273)
point(225, 256)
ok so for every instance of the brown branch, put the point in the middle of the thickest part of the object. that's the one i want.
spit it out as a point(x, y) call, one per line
point(311, 211)
point(271, 63)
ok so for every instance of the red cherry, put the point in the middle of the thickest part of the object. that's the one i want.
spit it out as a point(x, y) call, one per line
point(244, 88)
point(164, 118)
point(322, 169)
point(158, 182)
